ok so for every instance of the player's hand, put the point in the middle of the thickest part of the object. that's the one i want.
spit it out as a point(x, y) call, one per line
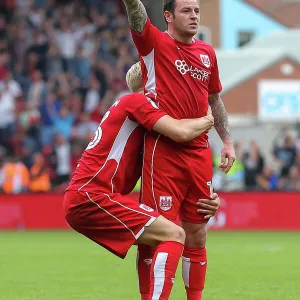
point(227, 156)
point(209, 207)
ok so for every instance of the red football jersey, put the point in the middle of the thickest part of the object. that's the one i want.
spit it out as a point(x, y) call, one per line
point(178, 76)
point(112, 160)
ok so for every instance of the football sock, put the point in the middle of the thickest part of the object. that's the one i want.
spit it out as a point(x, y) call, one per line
point(163, 269)
point(194, 264)
point(144, 260)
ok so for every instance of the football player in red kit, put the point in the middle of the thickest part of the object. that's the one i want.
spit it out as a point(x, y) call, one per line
point(95, 201)
point(180, 74)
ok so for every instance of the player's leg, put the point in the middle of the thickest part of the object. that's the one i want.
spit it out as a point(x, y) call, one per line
point(143, 265)
point(117, 222)
point(169, 241)
point(194, 259)
point(194, 262)
point(161, 230)
point(163, 187)
point(113, 221)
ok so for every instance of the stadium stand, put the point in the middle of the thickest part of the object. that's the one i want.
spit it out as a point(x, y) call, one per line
point(63, 63)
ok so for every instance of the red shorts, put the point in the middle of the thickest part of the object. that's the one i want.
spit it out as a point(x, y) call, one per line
point(175, 178)
point(111, 220)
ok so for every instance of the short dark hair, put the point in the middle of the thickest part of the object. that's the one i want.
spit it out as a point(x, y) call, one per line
point(169, 5)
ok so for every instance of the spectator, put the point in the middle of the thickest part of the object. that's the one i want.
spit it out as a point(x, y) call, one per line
point(286, 155)
point(292, 181)
point(36, 90)
point(98, 113)
point(81, 66)
point(53, 61)
point(62, 153)
point(2, 26)
point(66, 41)
point(12, 86)
point(32, 64)
point(84, 28)
point(85, 128)
point(49, 110)
point(254, 164)
point(21, 43)
point(268, 180)
point(93, 97)
point(14, 177)
point(63, 122)
point(36, 16)
point(100, 73)
point(39, 175)
point(7, 112)
point(4, 60)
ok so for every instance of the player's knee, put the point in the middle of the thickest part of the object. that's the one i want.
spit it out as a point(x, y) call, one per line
point(180, 235)
point(196, 238)
point(176, 234)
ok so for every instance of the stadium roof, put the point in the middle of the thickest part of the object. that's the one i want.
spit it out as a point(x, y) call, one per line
point(237, 66)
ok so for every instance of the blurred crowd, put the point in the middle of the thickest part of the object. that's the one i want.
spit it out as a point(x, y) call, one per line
point(62, 64)
point(278, 170)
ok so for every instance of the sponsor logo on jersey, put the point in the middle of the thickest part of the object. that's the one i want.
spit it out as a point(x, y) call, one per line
point(205, 60)
point(202, 263)
point(146, 208)
point(196, 73)
point(165, 203)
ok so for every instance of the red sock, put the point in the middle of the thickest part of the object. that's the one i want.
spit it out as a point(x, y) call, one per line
point(194, 264)
point(144, 260)
point(163, 269)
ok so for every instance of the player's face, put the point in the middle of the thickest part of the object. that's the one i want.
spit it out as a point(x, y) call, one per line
point(186, 17)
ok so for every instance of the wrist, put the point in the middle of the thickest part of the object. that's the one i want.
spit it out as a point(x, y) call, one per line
point(228, 141)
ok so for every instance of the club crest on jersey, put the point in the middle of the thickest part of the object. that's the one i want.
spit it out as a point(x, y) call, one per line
point(146, 208)
point(205, 60)
point(165, 202)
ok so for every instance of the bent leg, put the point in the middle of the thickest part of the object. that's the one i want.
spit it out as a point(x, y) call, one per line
point(169, 239)
point(161, 230)
point(143, 265)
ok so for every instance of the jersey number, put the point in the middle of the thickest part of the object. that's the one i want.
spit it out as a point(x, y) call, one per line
point(98, 134)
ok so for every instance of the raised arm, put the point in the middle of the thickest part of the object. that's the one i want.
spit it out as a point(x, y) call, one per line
point(222, 127)
point(183, 130)
point(137, 15)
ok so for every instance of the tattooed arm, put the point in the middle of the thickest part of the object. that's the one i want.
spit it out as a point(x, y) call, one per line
point(220, 115)
point(137, 15)
point(222, 127)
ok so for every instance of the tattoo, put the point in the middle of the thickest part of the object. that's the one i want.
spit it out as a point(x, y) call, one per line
point(137, 15)
point(220, 115)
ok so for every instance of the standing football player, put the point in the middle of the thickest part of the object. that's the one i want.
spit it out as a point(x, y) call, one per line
point(180, 74)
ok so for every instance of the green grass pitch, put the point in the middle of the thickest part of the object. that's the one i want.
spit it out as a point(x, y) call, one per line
point(67, 266)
